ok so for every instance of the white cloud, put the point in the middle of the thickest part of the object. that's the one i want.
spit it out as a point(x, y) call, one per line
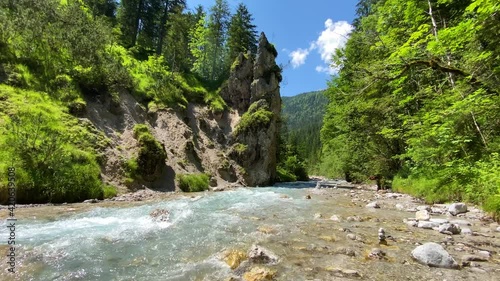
point(299, 57)
point(332, 38)
point(326, 69)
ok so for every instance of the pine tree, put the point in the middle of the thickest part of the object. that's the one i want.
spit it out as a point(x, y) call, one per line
point(242, 36)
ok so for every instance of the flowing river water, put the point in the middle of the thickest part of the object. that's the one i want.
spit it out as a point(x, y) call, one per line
point(122, 242)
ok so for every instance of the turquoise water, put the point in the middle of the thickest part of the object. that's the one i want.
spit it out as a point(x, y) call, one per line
point(126, 244)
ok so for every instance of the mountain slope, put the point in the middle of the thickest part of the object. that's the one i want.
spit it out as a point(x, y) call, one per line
point(303, 118)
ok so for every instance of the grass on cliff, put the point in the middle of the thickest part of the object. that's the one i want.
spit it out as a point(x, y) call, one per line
point(193, 182)
point(254, 118)
point(55, 156)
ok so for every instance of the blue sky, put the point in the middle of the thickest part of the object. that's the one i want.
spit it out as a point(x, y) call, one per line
point(305, 34)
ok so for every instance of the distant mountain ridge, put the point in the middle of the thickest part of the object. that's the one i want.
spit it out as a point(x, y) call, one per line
point(303, 117)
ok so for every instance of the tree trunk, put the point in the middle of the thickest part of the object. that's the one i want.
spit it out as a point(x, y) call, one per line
point(136, 23)
point(163, 28)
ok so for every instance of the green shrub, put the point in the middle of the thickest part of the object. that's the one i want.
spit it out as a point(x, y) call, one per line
point(109, 191)
point(283, 175)
point(240, 148)
point(257, 116)
point(193, 182)
point(54, 159)
point(151, 153)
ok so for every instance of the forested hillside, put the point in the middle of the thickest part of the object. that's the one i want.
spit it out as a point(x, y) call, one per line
point(417, 100)
point(303, 118)
point(57, 56)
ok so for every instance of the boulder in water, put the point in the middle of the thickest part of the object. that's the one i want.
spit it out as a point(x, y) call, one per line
point(234, 258)
point(259, 274)
point(261, 255)
point(422, 215)
point(448, 228)
point(373, 205)
point(433, 254)
point(457, 208)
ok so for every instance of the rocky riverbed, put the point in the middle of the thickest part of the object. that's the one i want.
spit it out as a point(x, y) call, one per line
point(287, 232)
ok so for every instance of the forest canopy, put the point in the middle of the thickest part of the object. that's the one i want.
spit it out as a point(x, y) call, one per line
point(416, 102)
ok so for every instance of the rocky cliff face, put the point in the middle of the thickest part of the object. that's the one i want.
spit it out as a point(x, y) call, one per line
point(256, 90)
point(237, 147)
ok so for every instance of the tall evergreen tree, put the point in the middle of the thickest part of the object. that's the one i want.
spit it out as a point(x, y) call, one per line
point(242, 36)
point(218, 24)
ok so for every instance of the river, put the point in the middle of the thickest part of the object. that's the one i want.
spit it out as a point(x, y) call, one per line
point(124, 243)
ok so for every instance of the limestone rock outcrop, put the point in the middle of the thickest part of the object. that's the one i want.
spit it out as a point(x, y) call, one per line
point(255, 92)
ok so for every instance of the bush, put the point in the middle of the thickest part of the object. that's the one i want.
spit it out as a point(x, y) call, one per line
point(282, 175)
point(109, 191)
point(193, 182)
point(151, 153)
point(256, 116)
point(53, 159)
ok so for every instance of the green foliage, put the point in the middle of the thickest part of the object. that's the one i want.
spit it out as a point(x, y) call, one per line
point(109, 191)
point(240, 148)
point(302, 120)
point(151, 153)
point(193, 182)
point(291, 167)
point(242, 36)
point(256, 117)
point(54, 160)
point(283, 175)
point(417, 99)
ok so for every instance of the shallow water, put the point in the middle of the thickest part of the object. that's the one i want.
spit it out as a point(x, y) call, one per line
point(124, 243)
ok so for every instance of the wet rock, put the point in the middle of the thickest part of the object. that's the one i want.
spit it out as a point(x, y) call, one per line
point(259, 274)
point(457, 208)
point(412, 223)
point(440, 221)
point(345, 251)
point(449, 228)
point(433, 254)
point(343, 272)
point(261, 255)
point(351, 236)
point(218, 188)
point(469, 258)
point(160, 215)
point(399, 207)
point(376, 253)
point(424, 208)
point(374, 205)
point(485, 254)
point(498, 229)
point(284, 196)
point(427, 224)
point(234, 258)
point(466, 231)
point(393, 195)
point(461, 222)
point(91, 201)
point(335, 218)
point(435, 210)
point(308, 196)
point(354, 218)
point(266, 229)
point(318, 216)
point(381, 235)
point(422, 215)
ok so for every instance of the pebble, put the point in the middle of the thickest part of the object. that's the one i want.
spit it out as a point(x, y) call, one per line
point(449, 229)
point(466, 231)
point(440, 221)
point(335, 218)
point(422, 215)
point(427, 224)
point(374, 205)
